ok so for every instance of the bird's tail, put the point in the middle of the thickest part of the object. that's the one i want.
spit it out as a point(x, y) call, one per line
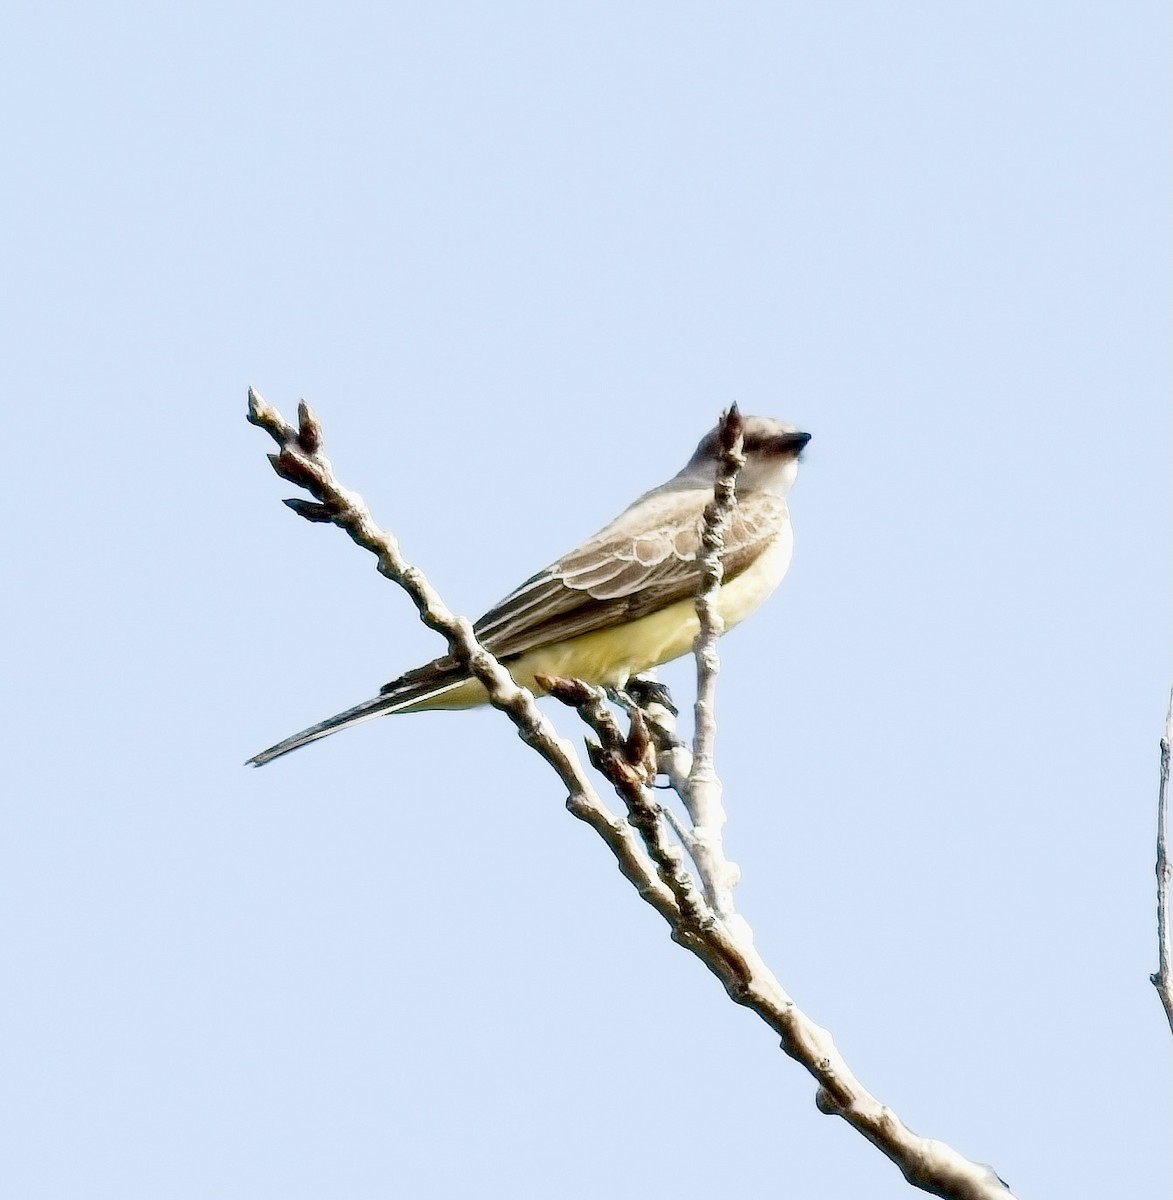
point(394, 698)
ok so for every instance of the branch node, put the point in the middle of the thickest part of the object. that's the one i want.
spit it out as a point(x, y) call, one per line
point(294, 469)
point(571, 692)
point(309, 429)
point(312, 510)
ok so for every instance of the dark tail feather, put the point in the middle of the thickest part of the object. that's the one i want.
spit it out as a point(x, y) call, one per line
point(380, 705)
point(366, 711)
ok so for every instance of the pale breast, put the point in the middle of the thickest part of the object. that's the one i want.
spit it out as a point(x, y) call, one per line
point(610, 656)
point(740, 596)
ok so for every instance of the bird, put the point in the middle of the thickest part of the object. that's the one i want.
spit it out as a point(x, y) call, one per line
point(623, 601)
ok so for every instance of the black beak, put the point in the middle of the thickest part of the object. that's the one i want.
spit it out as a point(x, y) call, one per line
point(793, 443)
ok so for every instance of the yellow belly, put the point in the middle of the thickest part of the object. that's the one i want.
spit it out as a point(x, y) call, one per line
point(611, 656)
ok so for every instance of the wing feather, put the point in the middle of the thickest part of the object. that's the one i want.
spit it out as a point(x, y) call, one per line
point(643, 561)
point(627, 570)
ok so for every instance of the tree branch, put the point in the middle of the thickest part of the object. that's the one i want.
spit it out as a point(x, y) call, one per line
point(302, 462)
point(1163, 979)
point(629, 765)
point(703, 797)
point(650, 861)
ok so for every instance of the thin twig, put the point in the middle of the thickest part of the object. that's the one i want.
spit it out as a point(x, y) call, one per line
point(703, 797)
point(301, 461)
point(629, 765)
point(724, 947)
point(1163, 979)
point(673, 760)
point(648, 697)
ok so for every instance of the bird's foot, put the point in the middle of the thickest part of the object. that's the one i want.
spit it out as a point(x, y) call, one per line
point(644, 692)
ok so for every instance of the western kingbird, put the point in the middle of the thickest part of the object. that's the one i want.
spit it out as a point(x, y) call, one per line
point(625, 600)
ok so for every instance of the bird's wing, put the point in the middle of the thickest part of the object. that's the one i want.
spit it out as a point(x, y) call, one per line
point(643, 561)
point(639, 564)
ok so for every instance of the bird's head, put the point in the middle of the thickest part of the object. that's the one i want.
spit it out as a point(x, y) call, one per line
point(772, 451)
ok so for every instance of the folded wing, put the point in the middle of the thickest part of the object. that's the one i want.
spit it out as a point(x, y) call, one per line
point(643, 561)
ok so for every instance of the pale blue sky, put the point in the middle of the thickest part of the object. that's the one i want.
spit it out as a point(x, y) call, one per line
point(497, 246)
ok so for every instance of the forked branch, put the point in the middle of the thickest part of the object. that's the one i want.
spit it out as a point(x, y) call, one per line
point(300, 461)
point(650, 859)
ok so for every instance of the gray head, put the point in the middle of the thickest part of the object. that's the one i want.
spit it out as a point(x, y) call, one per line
point(772, 449)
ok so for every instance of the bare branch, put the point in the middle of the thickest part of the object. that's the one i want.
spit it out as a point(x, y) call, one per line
point(629, 762)
point(315, 474)
point(629, 765)
point(703, 796)
point(1163, 979)
point(726, 948)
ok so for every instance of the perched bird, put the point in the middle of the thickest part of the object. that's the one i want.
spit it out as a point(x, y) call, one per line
point(625, 600)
